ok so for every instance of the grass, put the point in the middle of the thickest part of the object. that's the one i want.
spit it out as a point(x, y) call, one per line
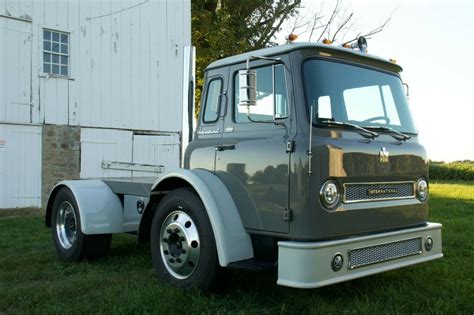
point(33, 280)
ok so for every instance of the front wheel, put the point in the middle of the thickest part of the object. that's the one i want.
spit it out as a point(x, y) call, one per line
point(183, 247)
point(69, 241)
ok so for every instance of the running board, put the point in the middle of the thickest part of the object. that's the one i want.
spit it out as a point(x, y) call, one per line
point(252, 265)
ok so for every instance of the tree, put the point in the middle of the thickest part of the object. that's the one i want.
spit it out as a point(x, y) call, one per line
point(332, 25)
point(222, 28)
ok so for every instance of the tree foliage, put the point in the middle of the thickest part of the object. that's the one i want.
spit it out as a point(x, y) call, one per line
point(222, 28)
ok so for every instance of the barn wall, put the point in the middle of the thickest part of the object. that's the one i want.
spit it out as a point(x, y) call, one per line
point(124, 85)
point(61, 156)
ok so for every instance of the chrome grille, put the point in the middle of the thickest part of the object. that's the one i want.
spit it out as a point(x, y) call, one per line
point(359, 192)
point(379, 253)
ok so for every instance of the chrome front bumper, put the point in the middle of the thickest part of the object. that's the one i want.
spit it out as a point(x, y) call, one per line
point(309, 264)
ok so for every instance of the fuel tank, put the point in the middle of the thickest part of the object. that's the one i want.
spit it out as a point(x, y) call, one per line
point(376, 181)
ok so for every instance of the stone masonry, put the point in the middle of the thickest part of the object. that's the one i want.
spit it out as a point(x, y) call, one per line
point(60, 156)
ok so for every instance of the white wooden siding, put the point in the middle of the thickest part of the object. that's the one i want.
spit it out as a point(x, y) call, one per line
point(99, 145)
point(126, 62)
point(15, 72)
point(156, 150)
point(125, 75)
point(20, 166)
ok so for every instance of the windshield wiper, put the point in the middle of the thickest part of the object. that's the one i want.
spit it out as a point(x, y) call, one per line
point(396, 134)
point(364, 132)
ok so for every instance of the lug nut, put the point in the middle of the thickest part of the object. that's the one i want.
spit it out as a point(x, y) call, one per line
point(178, 260)
point(171, 260)
point(168, 231)
point(165, 240)
point(176, 230)
point(183, 251)
point(182, 239)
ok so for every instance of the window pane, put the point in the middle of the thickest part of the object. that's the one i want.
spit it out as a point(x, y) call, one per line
point(46, 57)
point(212, 101)
point(281, 99)
point(55, 69)
point(64, 49)
point(263, 111)
point(55, 47)
point(363, 103)
point(324, 108)
point(64, 38)
point(392, 112)
point(55, 36)
point(55, 58)
point(64, 70)
point(47, 45)
point(357, 94)
point(46, 68)
point(64, 60)
point(47, 35)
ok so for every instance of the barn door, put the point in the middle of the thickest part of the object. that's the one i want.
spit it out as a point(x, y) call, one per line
point(160, 152)
point(16, 103)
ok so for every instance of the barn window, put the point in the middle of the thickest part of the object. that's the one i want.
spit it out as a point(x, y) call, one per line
point(55, 52)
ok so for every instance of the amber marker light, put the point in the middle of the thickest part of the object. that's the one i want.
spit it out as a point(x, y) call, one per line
point(327, 41)
point(292, 38)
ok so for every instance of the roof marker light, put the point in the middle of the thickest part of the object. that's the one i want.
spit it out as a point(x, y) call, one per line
point(292, 37)
point(327, 41)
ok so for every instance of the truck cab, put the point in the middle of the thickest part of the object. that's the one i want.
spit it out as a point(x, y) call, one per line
point(305, 158)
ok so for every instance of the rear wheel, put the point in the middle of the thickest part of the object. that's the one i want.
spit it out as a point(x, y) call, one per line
point(69, 241)
point(183, 247)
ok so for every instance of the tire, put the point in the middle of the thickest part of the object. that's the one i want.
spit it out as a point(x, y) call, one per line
point(69, 241)
point(183, 248)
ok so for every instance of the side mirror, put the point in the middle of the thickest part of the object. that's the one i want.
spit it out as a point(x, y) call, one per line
point(248, 87)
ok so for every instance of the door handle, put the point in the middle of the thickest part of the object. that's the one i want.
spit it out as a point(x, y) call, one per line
point(222, 147)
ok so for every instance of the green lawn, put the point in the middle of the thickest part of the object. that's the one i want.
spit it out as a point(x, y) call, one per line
point(33, 280)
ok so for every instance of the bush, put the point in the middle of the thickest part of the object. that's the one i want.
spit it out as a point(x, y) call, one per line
point(463, 170)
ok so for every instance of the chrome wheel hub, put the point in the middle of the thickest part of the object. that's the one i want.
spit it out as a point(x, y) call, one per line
point(66, 225)
point(179, 244)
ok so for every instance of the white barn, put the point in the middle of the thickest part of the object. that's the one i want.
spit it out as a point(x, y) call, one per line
point(89, 89)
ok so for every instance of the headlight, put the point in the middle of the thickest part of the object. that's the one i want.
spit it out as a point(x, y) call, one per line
point(422, 189)
point(329, 194)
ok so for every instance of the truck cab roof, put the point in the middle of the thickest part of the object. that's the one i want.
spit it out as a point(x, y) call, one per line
point(324, 48)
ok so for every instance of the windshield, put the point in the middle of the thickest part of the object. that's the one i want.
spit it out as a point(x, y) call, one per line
point(355, 94)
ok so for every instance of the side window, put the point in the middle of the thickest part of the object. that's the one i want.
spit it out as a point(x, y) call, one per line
point(324, 107)
point(271, 90)
point(55, 52)
point(211, 105)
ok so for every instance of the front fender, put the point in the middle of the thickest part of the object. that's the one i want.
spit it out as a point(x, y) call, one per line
point(232, 241)
point(101, 210)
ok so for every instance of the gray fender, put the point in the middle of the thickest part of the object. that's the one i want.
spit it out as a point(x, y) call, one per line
point(232, 241)
point(100, 209)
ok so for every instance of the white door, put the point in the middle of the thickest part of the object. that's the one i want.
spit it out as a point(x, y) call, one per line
point(20, 166)
point(16, 103)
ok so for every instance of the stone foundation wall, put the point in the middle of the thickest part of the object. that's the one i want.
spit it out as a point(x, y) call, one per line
point(61, 156)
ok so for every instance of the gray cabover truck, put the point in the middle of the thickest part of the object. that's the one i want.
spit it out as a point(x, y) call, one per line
point(305, 158)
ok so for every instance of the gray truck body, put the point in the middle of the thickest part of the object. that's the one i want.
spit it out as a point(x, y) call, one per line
point(261, 182)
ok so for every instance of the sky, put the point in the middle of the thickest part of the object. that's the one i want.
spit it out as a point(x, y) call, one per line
point(433, 42)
